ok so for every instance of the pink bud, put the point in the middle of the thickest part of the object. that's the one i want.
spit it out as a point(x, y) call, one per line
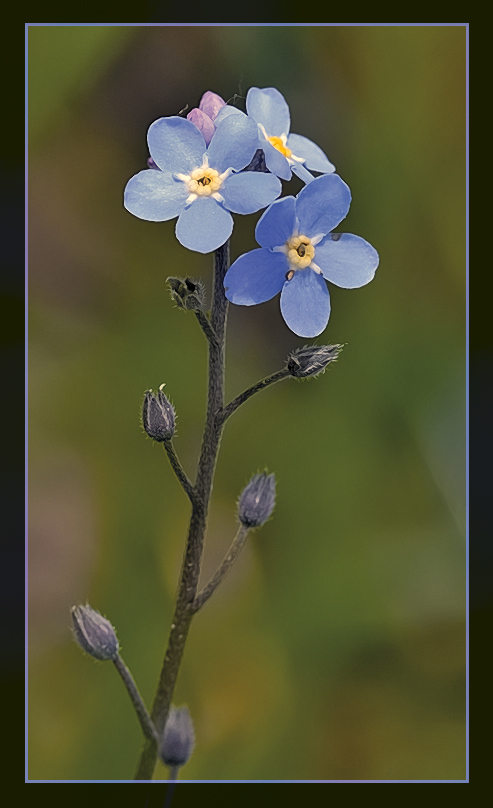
point(203, 123)
point(211, 103)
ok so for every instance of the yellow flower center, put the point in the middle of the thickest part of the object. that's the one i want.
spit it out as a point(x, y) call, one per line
point(280, 145)
point(204, 181)
point(300, 252)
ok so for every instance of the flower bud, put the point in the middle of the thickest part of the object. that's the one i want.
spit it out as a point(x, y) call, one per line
point(178, 737)
point(187, 293)
point(95, 635)
point(158, 416)
point(204, 115)
point(203, 123)
point(311, 359)
point(257, 500)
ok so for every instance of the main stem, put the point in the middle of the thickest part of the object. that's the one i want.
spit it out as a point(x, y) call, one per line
point(196, 533)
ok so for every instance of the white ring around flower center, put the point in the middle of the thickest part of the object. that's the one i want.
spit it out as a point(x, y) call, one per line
point(300, 252)
point(204, 181)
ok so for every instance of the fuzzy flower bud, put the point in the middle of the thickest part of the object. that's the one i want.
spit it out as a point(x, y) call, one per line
point(158, 416)
point(187, 293)
point(178, 737)
point(311, 359)
point(257, 500)
point(95, 635)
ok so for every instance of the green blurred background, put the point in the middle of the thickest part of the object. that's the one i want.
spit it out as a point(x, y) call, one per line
point(336, 648)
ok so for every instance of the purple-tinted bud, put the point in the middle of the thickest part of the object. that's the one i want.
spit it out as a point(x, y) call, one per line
point(203, 123)
point(257, 500)
point(178, 737)
point(204, 115)
point(211, 103)
point(158, 416)
point(311, 359)
point(94, 633)
point(152, 164)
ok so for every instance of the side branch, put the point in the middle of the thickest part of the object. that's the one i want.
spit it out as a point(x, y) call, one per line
point(179, 471)
point(145, 721)
point(222, 570)
point(230, 408)
point(206, 326)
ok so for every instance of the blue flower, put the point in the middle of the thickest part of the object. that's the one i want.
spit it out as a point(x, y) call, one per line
point(298, 253)
point(284, 153)
point(200, 185)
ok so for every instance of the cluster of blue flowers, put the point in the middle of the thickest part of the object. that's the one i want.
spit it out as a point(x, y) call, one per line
point(200, 170)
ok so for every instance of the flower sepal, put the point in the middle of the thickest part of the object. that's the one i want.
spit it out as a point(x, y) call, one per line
point(187, 293)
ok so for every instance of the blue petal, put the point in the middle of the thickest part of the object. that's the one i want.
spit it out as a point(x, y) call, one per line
point(233, 144)
point(277, 224)
point(305, 303)
point(250, 191)
point(274, 160)
point(255, 277)
point(313, 156)
point(204, 225)
point(269, 108)
point(225, 111)
point(348, 261)
point(322, 204)
point(155, 195)
point(176, 144)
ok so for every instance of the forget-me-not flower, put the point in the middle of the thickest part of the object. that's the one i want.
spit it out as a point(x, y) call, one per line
point(284, 153)
point(200, 184)
point(298, 253)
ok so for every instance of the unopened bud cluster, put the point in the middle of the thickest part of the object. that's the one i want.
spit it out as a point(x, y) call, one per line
point(158, 416)
point(311, 359)
point(178, 737)
point(187, 293)
point(257, 500)
point(95, 635)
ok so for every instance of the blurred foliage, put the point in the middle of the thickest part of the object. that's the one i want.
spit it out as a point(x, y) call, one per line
point(336, 648)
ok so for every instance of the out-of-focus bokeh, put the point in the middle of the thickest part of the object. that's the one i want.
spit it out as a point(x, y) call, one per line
point(335, 650)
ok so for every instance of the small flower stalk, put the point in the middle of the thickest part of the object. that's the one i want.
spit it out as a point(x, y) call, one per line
point(311, 360)
point(158, 416)
point(178, 738)
point(257, 500)
point(94, 633)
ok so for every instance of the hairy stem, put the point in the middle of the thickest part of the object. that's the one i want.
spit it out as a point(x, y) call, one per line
point(206, 326)
point(178, 469)
point(148, 727)
point(173, 772)
point(226, 564)
point(187, 589)
point(239, 400)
